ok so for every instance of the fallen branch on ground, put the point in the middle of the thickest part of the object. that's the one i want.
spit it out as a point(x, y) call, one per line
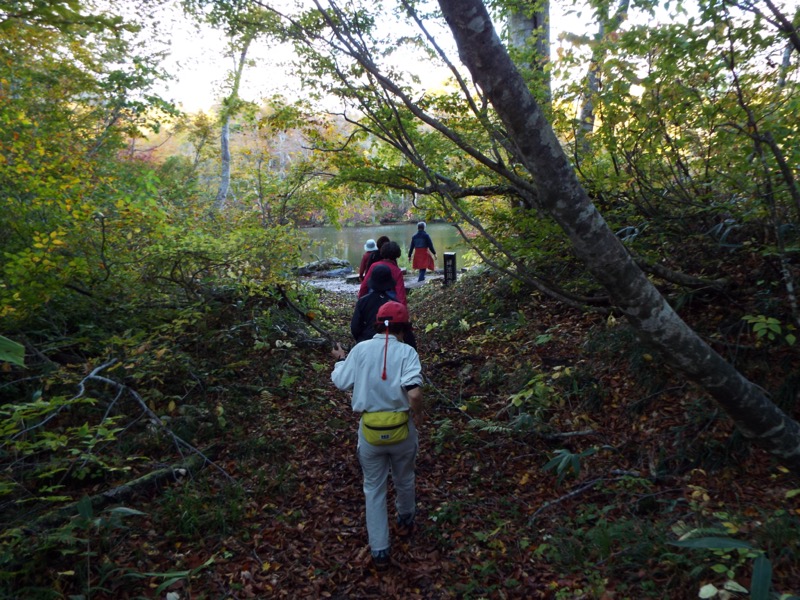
point(124, 492)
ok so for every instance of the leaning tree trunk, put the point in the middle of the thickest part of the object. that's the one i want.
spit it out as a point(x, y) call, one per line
point(657, 324)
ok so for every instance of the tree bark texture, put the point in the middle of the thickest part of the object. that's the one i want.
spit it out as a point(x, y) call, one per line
point(561, 194)
point(532, 26)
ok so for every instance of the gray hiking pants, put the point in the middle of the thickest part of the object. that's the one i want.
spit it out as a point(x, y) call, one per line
point(376, 463)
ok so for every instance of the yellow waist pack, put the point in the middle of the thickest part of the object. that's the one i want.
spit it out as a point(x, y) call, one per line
point(384, 428)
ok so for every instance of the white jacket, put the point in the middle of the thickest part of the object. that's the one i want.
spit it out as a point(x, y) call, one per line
point(361, 372)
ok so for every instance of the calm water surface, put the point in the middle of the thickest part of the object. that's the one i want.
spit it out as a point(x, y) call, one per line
point(348, 242)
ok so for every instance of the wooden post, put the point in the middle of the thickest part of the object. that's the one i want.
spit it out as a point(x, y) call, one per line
point(449, 267)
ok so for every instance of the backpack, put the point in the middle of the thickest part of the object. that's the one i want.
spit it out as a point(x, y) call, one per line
point(374, 257)
point(363, 321)
point(369, 306)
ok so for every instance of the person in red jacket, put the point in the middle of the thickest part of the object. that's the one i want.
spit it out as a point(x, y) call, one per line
point(390, 252)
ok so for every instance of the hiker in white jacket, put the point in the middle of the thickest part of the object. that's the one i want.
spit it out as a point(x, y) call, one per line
point(385, 376)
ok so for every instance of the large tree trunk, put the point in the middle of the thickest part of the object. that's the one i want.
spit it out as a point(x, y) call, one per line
point(481, 50)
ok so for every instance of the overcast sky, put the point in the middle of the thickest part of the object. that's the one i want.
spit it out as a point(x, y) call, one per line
point(198, 63)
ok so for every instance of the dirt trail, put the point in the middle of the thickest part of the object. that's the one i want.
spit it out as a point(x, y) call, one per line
point(315, 539)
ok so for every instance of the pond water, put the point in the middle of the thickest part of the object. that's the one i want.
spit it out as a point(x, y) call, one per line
point(348, 242)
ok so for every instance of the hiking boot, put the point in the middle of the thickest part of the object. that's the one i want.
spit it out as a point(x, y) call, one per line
point(405, 526)
point(380, 560)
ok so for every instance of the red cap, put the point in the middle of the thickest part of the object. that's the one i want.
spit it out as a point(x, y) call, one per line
point(391, 312)
point(394, 312)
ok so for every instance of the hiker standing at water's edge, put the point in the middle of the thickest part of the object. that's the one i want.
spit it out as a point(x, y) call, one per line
point(423, 251)
point(385, 375)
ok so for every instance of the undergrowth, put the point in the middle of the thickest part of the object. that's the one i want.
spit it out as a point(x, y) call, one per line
point(559, 461)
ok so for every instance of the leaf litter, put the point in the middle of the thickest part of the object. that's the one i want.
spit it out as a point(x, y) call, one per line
point(492, 522)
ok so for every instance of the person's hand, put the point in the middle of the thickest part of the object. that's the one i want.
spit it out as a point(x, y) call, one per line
point(338, 352)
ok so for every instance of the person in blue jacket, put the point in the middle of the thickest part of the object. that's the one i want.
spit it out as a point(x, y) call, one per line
point(422, 251)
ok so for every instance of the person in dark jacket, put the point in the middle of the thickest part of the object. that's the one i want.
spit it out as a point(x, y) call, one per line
point(423, 251)
point(376, 256)
point(381, 287)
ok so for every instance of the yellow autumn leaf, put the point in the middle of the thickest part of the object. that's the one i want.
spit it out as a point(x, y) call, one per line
point(730, 527)
point(525, 478)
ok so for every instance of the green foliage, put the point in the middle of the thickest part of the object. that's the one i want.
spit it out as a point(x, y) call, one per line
point(109, 259)
point(44, 460)
point(592, 538)
point(679, 155)
point(448, 512)
point(723, 559)
point(89, 536)
point(721, 547)
point(199, 509)
point(443, 435)
point(770, 328)
point(70, 203)
point(536, 396)
point(565, 462)
point(11, 351)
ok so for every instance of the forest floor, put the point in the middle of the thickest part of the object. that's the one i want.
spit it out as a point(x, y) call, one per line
point(559, 460)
